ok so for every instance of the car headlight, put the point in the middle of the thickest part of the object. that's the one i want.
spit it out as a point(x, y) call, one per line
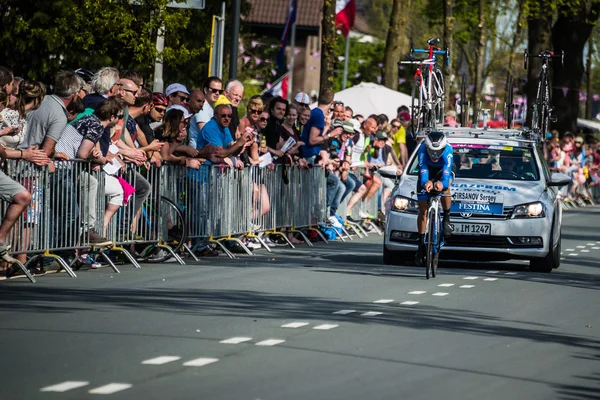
point(404, 204)
point(531, 210)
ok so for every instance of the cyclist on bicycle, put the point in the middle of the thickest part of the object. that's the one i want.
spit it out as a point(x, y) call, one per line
point(435, 174)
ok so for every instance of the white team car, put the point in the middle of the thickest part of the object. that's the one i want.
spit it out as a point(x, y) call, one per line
point(505, 203)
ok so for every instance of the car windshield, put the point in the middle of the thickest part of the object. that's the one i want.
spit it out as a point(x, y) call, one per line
point(484, 161)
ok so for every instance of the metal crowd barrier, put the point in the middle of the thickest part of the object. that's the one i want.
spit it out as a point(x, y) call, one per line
point(216, 204)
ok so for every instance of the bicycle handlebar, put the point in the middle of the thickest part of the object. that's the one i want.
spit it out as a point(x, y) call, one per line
point(545, 55)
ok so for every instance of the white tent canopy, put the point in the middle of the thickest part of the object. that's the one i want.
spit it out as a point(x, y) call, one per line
point(593, 126)
point(370, 98)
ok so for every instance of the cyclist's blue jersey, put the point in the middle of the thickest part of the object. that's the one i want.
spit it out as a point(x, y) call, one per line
point(444, 165)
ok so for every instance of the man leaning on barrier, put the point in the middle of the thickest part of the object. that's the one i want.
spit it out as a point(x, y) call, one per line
point(12, 192)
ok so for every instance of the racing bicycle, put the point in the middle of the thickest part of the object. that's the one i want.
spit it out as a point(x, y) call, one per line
point(542, 108)
point(434, 238)
point(427, 98)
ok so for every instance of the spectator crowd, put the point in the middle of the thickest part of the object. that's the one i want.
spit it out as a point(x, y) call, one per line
point(109, 118)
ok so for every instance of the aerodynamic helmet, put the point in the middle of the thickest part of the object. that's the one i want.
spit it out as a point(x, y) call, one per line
point(435, 142)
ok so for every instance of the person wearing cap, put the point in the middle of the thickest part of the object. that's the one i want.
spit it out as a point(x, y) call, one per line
point(216, 133)
point(314, 133)
point(302, 100)
point(212, 89)
point(139, 140)
point(177, 94)
point(409, 136)
point(335, 157)
point(151, 122)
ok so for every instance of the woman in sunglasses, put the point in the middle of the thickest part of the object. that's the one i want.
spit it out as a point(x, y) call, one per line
point(175, 134)
point(253, 110)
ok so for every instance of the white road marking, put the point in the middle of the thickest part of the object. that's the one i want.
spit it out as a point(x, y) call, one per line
point(236, 340)
point(417, 292)
point(446, 285)
point(466, 286)
point(591, 244)
point(581, 247)
point(371, 313)
point(200, 362)
point(471, 278)
point(384, 301)
point(344, 312)
point(492, 272)
point(110, 388)
point(270, 342)
point(595, 248)
point(570, 249)
point(585, 251)
point(573, 254)
point(64, 386)
point(409, 303)
point(295, 325)
point(325, 327)
point(440, 294)
point(490, 279)
point(161, 360)
point(510, 273)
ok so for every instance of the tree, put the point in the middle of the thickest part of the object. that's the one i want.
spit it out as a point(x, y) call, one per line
point(570, 33)
point(328, 33)
point(394, 43)
point(363, 62)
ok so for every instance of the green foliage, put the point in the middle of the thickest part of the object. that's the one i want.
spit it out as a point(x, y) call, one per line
point(365, 59)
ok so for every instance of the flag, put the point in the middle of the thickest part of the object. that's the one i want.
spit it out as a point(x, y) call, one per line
point(280, 86)
point(287, 31)
point(345, 11)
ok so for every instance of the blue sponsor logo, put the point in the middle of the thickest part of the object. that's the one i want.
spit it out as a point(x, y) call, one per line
point(476, 208)
point(480, 186)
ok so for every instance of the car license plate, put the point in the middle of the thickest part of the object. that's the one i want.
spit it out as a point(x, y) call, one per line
point(472, 229)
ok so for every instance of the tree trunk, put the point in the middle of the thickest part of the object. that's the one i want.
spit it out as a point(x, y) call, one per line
point(479, 58)
point(588, 74)
point(328, 32)
point(393, 44)
point(570, 33)
point(448, 27)
point(513, 46)
point(538, 38)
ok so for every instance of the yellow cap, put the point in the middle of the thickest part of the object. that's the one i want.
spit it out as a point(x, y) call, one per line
point(221, 101)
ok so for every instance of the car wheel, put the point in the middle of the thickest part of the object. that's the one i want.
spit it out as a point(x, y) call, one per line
point(549, 261)
point(391, 257)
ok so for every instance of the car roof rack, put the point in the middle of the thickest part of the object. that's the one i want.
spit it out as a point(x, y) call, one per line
point(521, 135)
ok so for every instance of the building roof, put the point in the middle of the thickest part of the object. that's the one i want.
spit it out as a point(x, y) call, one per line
point(274, 12)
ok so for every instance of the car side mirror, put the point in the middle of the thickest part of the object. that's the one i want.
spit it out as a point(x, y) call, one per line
point(388, 172)
point(559, 180)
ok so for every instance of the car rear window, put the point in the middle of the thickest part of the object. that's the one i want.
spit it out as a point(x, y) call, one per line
point(483, 161)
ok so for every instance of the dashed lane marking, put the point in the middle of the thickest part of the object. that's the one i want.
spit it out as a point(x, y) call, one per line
point(384, 301)
point(344, 312)
point(466, 286)
point(440, 294)
point(591, 244)
point(490, 279)
point(409, 303)
point(585, 251)
point(417, 292)
point(325, 327)
point(200, 362)
point(573, 254)
point(295, 325)
point(471, 278)
point(581, 247)
point(236, 340)
point(64, 386)
point(371, 313)
point(595, 248)
point(510, 273)
point(110, 388)
point(160, 360)
point(493, 272)
point(446, 285)
point(270, 342)
point(570, 249)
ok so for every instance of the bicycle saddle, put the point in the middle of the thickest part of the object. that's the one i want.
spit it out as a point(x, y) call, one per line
point(433, 41)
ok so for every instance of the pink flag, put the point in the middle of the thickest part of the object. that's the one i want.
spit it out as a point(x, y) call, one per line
point(246, 59)
point(257, 61)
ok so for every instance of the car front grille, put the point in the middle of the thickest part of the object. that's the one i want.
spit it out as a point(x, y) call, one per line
point(506, 213)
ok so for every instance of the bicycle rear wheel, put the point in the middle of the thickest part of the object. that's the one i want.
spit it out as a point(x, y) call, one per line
point(168, 221)
point(416, 107)
point(463, 101)
point(436, 245)
point(509, 106)
point(430, 238)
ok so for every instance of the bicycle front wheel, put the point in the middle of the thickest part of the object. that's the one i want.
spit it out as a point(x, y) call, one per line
point(416, 108)
point(170, 226)
point(436, 245)
point(430, 243)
